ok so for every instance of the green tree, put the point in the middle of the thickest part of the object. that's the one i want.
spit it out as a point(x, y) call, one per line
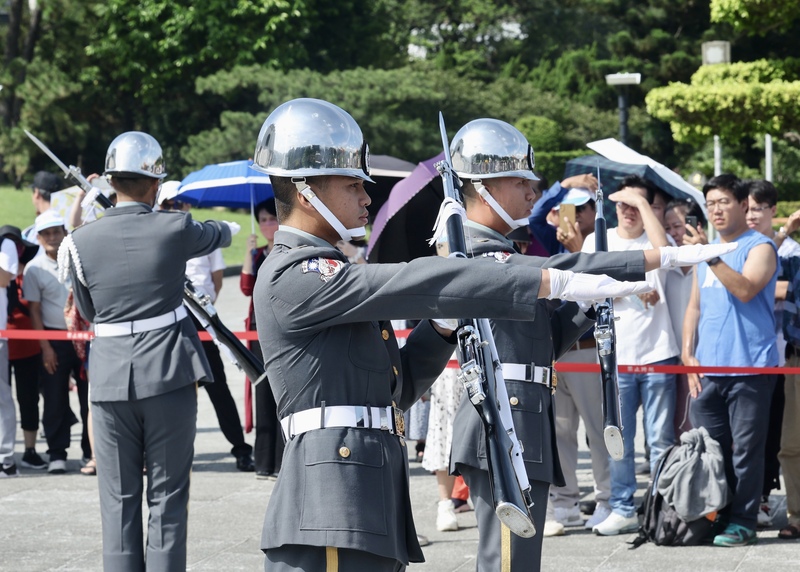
point(757, 17)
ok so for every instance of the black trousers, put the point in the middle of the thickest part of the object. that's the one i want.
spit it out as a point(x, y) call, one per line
point(57, 416)
point(26, 374)
point(225, 407)
point(269, 438)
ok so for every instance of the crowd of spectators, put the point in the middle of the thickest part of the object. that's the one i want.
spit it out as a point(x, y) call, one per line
point(736, 302)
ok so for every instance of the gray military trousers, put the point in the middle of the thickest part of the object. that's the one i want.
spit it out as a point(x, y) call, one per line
point(498, 547)
point(160, 432)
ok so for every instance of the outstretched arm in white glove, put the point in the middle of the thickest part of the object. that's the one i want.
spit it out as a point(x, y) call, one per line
point(568, 285)
point(672, 256)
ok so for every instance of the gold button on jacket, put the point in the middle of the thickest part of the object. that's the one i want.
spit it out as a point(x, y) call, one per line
point(514, 401)
point(344, 452)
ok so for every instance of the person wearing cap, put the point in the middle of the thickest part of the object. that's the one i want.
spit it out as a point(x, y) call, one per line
point(339, 379)
point(44, 185)
point(127, 271)
point(46, 298)
point(9, 266)
point(24, 356)
point(205, 274)
point(578, 190)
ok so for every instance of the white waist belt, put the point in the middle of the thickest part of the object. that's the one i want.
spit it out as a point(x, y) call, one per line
point(383, 418)
point(139, 326)
point(528, 372)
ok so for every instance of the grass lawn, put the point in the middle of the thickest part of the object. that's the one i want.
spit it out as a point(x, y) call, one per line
point(16, 209)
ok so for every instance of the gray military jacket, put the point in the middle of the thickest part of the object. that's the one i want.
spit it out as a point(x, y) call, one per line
point(134, 261)
point(325, 336)
point(556, 328)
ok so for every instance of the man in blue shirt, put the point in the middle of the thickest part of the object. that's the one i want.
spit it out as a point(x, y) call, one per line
point(734, 294)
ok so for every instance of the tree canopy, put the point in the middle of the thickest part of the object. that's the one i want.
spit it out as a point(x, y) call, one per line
point(201, 77)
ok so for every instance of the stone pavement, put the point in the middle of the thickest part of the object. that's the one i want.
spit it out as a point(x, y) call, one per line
point(52, 522)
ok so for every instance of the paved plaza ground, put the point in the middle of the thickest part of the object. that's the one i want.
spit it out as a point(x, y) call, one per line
point(52, 522)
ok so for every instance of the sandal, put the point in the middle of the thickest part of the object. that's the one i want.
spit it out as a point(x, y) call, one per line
point(791, 532)
point(90, 468)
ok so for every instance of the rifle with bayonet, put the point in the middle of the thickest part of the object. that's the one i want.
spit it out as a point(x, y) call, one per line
point(200, 305)
point(605, 335)
point(481, 374)
point(92, 193)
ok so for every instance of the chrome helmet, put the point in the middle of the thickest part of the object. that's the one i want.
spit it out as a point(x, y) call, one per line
point(135, 154)
point(310, 137)
point(490, 148)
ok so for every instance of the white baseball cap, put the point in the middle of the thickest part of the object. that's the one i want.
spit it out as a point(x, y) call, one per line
point(48, 219)
point(578, 196)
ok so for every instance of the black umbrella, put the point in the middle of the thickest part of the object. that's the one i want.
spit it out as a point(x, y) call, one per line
point(405, 221)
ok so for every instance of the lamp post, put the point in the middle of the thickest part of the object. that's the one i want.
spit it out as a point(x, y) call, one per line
point(624, 80)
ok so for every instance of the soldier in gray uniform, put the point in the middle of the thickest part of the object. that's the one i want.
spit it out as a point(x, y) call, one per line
point(339, 380)
point(499, 195)
point(127, 272)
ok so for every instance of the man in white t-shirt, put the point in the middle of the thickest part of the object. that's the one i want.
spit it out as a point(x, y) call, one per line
point(9, 266)
point(644, 337)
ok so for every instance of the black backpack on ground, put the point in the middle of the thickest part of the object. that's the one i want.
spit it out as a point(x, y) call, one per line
point(661, 523)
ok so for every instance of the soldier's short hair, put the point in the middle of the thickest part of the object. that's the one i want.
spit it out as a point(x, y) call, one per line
point(135, 187)
point(285, 193)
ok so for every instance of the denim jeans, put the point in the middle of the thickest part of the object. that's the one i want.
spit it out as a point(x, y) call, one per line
point(656, 393)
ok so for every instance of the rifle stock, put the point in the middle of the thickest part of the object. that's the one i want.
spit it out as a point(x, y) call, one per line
point(205, 312)
point(478, 360)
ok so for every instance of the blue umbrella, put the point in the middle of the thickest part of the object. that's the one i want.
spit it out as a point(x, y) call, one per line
point(234, 185)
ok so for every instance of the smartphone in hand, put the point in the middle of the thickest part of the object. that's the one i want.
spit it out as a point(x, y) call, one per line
point(568, 211)
point(691, 221)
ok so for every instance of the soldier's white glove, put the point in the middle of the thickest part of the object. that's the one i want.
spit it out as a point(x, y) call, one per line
point(235, 228)
point(690, 254)
point(568, 285)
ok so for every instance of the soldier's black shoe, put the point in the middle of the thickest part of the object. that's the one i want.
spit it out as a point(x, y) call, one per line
point(245, 463)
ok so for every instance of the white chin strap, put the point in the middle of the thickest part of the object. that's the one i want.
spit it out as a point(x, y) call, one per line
point(481, 190)
point(346, 234)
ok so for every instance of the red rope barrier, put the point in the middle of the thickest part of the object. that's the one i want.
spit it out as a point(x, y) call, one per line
point(560, 367)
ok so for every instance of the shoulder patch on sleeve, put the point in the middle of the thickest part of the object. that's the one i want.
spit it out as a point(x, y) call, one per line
point(326, 267)
point(500, 257)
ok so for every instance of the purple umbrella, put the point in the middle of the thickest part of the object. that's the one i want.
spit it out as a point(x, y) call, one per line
point(405, 221)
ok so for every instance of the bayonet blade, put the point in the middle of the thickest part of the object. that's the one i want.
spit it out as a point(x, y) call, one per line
point(445, 141)
point(48, 152)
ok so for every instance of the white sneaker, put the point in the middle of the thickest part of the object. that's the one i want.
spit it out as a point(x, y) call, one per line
point(568, 516)
point(600, 514)
point(616, 524)
point(57, 467)
point(552, 528)
point(446, 516)
point(765, 513)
